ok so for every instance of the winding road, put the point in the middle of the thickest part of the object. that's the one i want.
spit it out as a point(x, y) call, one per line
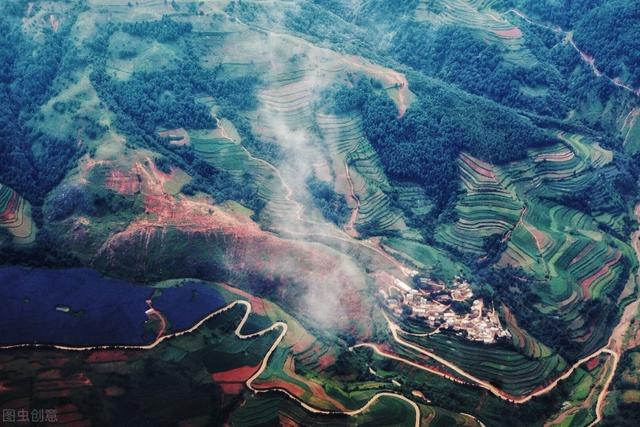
point(282, 326)
point(614, 348)
point(588, 59)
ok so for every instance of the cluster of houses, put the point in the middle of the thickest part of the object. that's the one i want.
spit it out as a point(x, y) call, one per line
point(431, 305)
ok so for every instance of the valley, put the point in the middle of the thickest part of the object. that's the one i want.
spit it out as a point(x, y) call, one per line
point(319, 212)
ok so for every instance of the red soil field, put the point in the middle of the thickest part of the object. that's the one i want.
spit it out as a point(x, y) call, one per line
point(76, 380)
point(79, 423)
point(232, 388)
point(555, 157)
point(107, 356)
point(512, 324)
point(477, 168)
point(249, 250)
point(326, 360)
point(301, 345)
point(586, 283)
point(511, 33)
point(57, 362)
point(68, 413)
point(55, 23)
point(9, 215)
point(50, 374)
point(592, 363)
point(316, 389)
point(582, 254)
point(122, 182)
point(114, 391)
point(287, 422)
point(257, 304)
point(240, 374)
point(539, 237)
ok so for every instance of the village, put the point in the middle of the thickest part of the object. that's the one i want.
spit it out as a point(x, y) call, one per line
point(431, 305)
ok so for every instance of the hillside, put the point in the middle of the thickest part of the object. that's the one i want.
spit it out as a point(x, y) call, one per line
point(321, 211)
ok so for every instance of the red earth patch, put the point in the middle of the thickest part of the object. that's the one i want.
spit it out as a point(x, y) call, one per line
point(592, 363)
point(511, 33)
point(586, 283)
point(240, 374)
point(122, 182)
point(233, 380)
point(114, 391)
point(106, 356)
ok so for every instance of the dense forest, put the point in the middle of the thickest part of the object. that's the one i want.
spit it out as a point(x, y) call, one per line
point(32, 162)
point(611, 34)
point(459, 56)
point(606, 30)
point(332, 205)
point(165, 30)
point(422, 146)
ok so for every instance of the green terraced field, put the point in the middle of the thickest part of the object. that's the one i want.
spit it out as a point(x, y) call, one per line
point(479, 16)
point(514, 372)
point(487, 207)
point(232, 157)
point(387, 411)
point(424, 257)
point(348, 147)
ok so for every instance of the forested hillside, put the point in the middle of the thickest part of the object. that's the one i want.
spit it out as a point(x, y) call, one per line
point(315, 212)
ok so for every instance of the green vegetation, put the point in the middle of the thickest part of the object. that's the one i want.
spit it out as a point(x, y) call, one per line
point(422, 146)
point(332, 205)
point(610, 33)
point(312, 152)
point(32, 163)
point(513, 372)
point(165, 30)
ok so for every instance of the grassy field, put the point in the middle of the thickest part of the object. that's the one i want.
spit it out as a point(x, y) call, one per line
point(425, 257)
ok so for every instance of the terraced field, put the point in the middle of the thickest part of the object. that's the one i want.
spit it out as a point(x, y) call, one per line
point(568, 247)
point(477, 15)
point(469, 13)
point(15, 216)
point(257, 410)
point(515, 373)
point(522, 340)
point(424, 257)
point(360, 174)
point(560, 169)
point(288, 101)
point(630, 130)
point(488, 207)
point(229, 155)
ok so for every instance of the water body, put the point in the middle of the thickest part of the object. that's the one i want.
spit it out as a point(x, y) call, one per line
point(183, 306)
point(79, 307)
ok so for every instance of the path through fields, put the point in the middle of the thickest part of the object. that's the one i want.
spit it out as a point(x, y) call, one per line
point(288, 191)
point(614, 348)
point(586, 58)
point(350, 226)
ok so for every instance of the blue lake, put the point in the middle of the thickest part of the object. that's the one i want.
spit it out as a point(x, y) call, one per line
point(80, 307)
